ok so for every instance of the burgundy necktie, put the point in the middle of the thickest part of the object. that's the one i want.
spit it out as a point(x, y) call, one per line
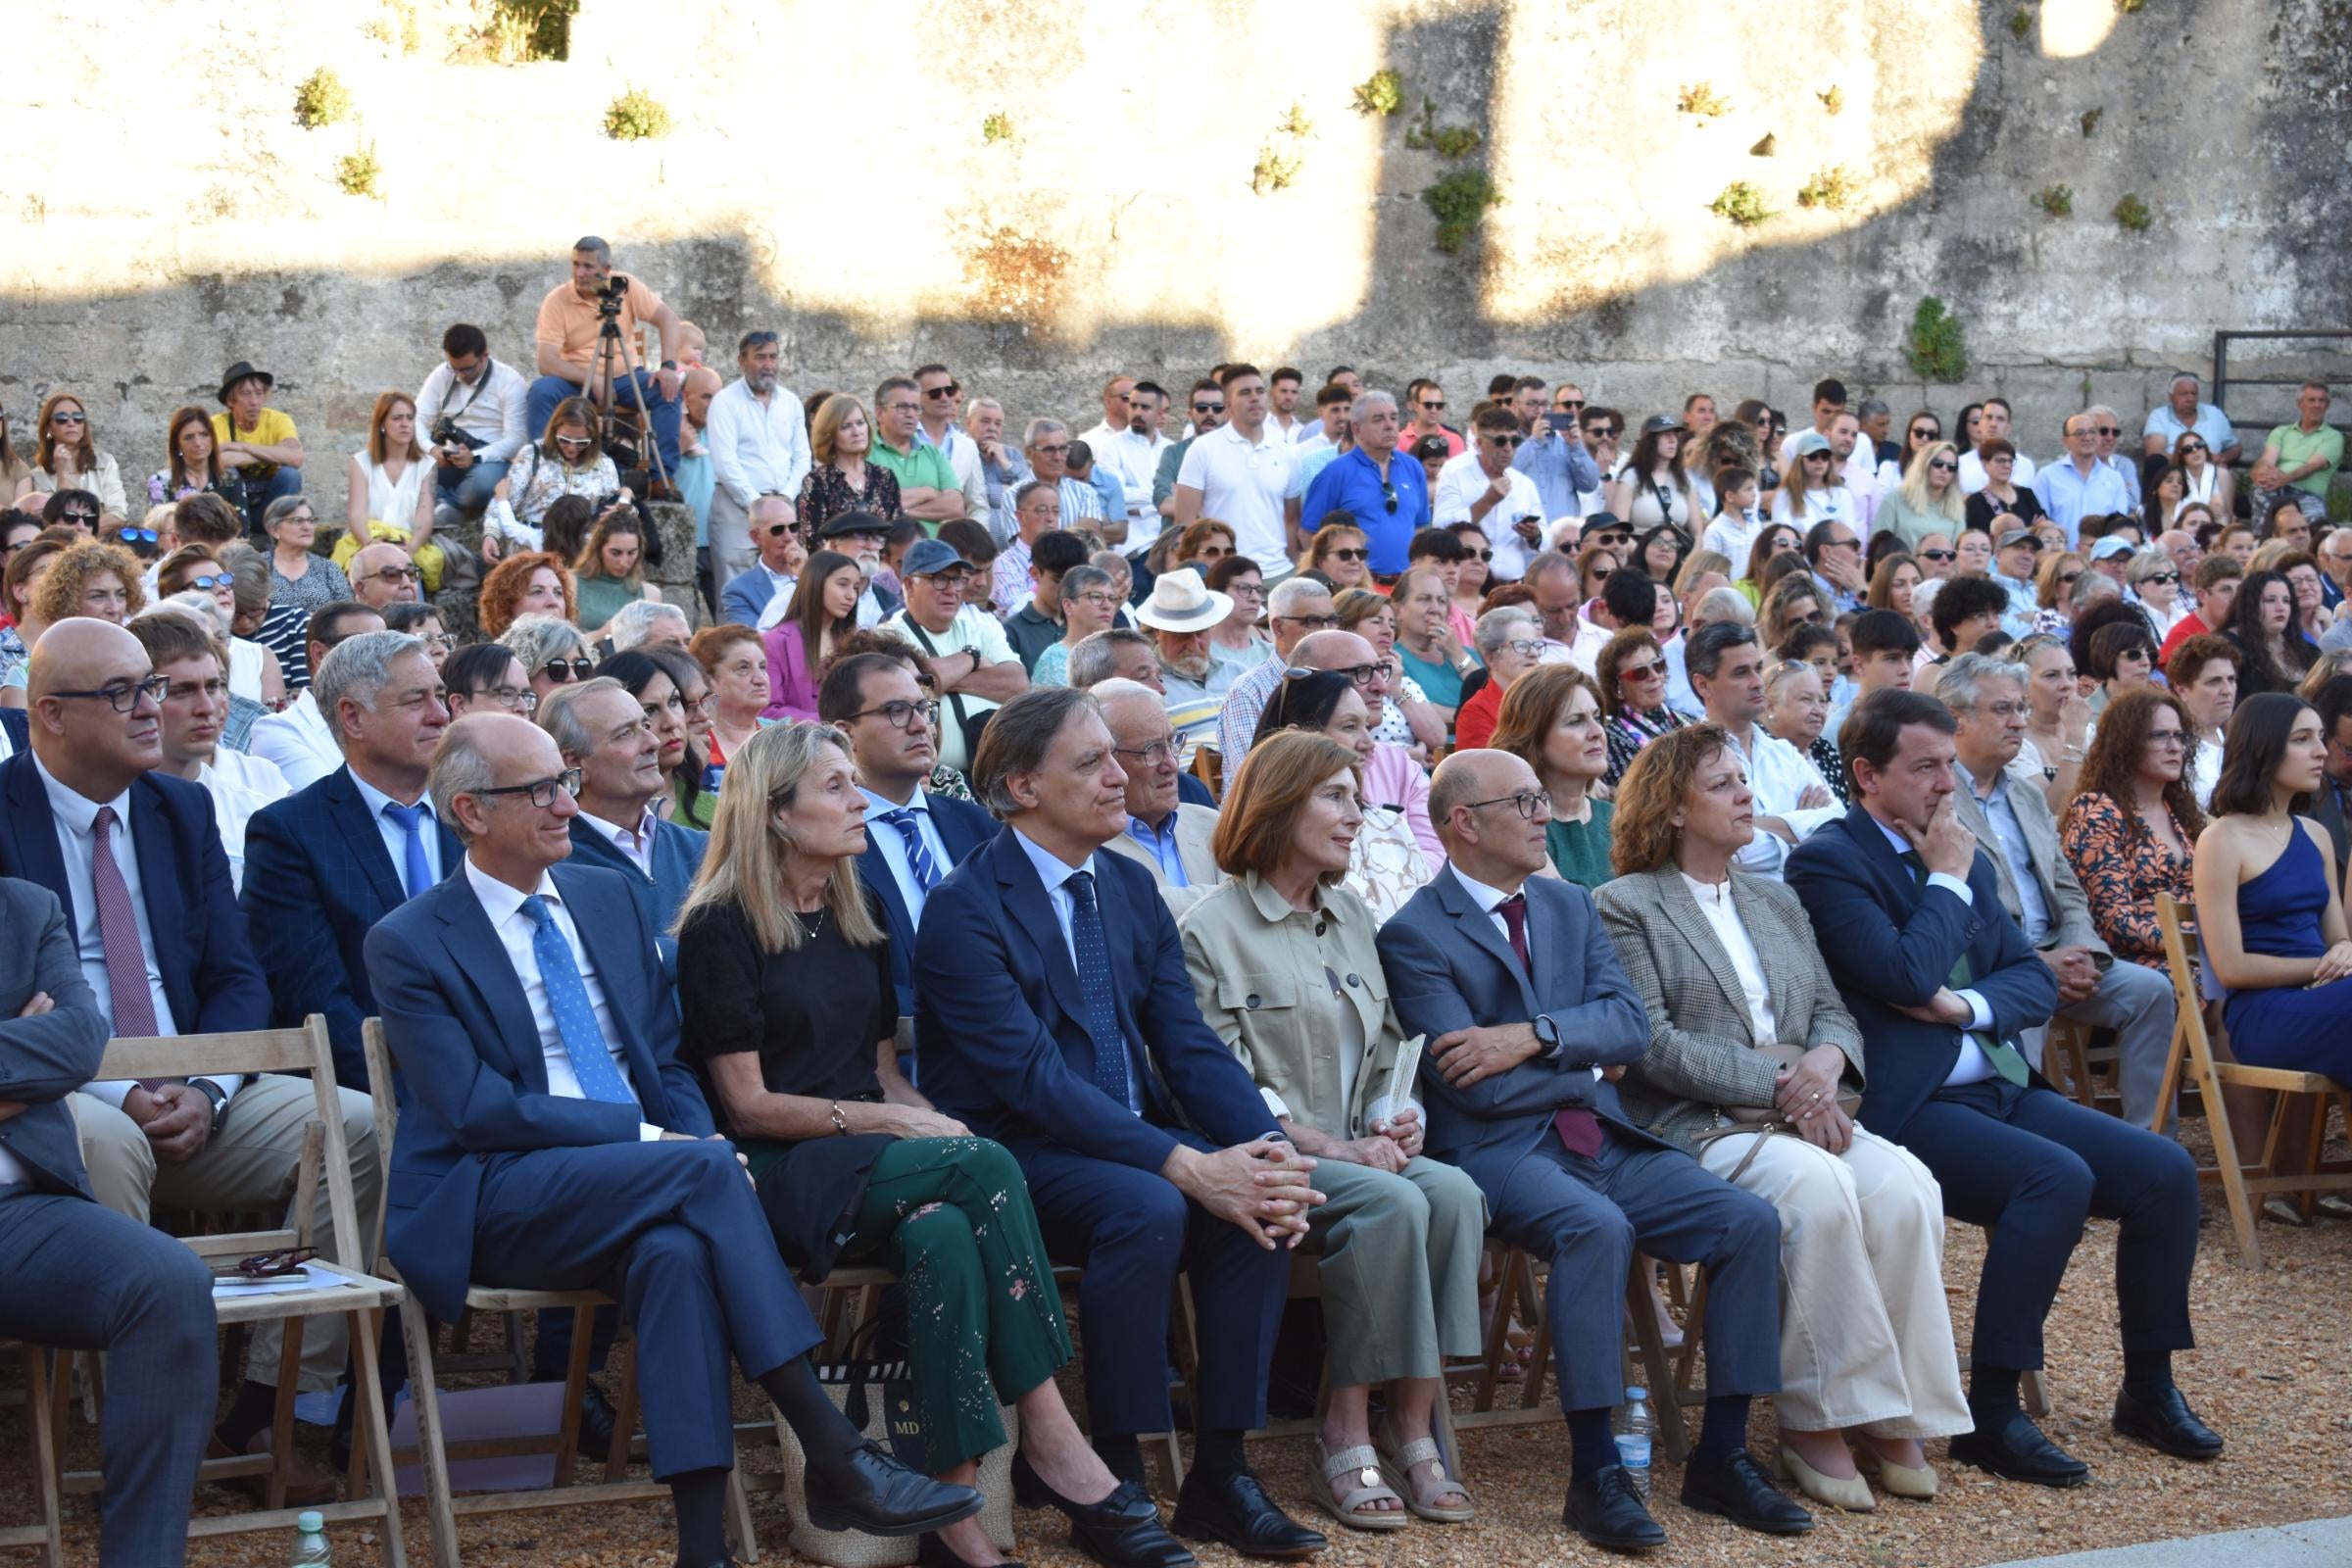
point(119, 936)
point(1578, 1128)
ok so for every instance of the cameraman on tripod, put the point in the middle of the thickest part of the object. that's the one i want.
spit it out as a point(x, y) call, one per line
point(571, 319)
point(470, 412)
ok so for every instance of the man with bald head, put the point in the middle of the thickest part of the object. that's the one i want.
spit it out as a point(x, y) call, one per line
point(1161, 836)
point(554, 1140)
point(1393, 780)
point(384, 574)
point(134, 857)
point(1530, 1021)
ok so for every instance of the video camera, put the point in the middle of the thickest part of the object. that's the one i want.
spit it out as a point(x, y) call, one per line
point(609, 298)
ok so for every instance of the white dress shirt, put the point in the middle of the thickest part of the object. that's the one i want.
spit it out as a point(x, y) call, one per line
point(1973, 1066)
point(395, 837)
point(1779, 774)
point(492, 410)
point(298, 741)
point(239, 785)
point(1460, 482)
point(756, 448)
point(893, 845)
point(1714, 899)
point(1133, 457)
point(77, 817)
point(516, 929)
point(1056, 873)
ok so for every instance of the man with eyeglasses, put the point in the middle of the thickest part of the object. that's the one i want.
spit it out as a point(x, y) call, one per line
point(133, 856)
point(484, 401)
point(1391, 778)
point(2080, 485)
point(1296, 607)
point(1036, 512)
point(384, 574)
point(775, 534)
point(1554, 457)
point(194, 711)
point(1483, 486)
point(1206, 407)
point(299, 739)
point(1792, 798)
point(1046, 444)
point(1530, 1021)
point(2180, 413)
point(963, 644)
point(1378, 491)
point(2037, 882)
point(1245, 474)
point(928, 489)
point(1162, 836)
point(757, 436)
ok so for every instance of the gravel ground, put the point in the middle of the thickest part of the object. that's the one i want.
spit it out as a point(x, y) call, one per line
point(2271, 1376)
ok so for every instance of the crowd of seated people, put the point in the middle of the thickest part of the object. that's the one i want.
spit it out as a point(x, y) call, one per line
point(1228, 831)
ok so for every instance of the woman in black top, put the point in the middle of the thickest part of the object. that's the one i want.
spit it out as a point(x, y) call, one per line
point(784, 974)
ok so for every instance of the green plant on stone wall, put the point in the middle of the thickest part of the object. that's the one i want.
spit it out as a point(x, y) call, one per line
point(359, 174)
point(1295, 123)
point(2133, 213)
point(522, 30)
point(1275, 169)
point(1741, 205)
point(1935, 346)
point(2091, 120)
point(321, 100)
point(1834, 100)
point(636, 115)
point(1381, 94)
point(1832, 188)
point(997, 128)
point(1460, 202)
point(2058, 201)
point(2021, 23)
point(1446, 141)
point(2129, 7)
point(1701, 100)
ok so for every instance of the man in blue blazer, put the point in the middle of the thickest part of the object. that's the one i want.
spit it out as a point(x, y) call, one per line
point(326, 863)
point(1530, 1021)
point(79, 1276)
point(553, 1138)
point(775, 535)
point(913, 838)
point(1054, 1015)
point(1942, 980)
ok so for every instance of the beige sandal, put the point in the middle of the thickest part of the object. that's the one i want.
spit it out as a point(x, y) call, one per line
point(1398, 1467)
point(1370, 1487)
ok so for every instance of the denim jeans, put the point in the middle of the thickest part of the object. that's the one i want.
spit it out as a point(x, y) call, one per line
point(284, 482)
point(467, 489)
point(664, 412)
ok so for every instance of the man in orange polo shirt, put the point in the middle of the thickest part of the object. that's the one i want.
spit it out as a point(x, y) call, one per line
point(569, 322)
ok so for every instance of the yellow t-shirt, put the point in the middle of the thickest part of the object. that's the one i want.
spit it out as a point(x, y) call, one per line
point(276, 425)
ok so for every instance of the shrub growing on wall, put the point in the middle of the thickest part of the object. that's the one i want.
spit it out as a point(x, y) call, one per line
point(1935, 346)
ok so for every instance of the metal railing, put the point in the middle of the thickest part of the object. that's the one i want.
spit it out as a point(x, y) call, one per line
point(2222, 381)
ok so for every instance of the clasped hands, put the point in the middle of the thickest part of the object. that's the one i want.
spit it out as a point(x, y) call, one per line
point(1263, 1186)
point(1806, 1095)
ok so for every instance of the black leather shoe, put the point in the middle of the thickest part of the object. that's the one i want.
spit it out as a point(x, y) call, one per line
point(1738, 1489)
point(596, 1420)
point(1607, 1510)
point(2020, 1451)
point(867, 1491)
point(1235, 1509)
point(2166, 1423)
point(1122, 1531)
point(932, 1552)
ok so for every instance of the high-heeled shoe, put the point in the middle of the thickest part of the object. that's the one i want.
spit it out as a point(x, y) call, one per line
point(932, 1552)
point(1850, 1492)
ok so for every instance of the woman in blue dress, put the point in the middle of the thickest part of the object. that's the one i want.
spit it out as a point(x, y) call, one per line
point(2269, 910)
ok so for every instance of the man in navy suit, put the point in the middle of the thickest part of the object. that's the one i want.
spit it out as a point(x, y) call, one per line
point(1054, 1015)
point(775, 536)
point(80, 1276)
point(552, 1139)
point(326, 863)
point(1941, 981)
point(1530, 1021)
point(134, 857)
point(913, 838)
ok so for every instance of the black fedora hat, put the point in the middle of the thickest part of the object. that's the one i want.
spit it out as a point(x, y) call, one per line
point(243, 370)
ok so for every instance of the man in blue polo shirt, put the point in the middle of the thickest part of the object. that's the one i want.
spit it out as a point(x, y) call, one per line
point(1387, 498)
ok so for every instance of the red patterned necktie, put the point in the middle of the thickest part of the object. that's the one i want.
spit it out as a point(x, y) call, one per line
point(1578, 1128)
point(119, 935)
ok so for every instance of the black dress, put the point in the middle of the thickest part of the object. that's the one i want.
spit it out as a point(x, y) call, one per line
point(827, 495)
point(814, 1015)
point(1984, 506)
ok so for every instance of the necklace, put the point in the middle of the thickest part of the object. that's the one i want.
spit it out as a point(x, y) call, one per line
point(812, 921)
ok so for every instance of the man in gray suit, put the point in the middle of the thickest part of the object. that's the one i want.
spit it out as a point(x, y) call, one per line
point(80, 1276)
point(2038, 887)
point(1530, 1022)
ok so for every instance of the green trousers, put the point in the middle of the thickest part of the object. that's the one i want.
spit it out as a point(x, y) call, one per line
point(951, 1218)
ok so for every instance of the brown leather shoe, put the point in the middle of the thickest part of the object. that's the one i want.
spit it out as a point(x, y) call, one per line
point(308, 1483)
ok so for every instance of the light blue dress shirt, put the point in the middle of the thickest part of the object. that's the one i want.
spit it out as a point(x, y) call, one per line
point(893, 845)
point(395, 837)
point(1056, 873)
point(2012, 834)
point(1162, 841)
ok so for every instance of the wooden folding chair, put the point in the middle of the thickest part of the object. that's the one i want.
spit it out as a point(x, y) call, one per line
point(45, 1532)
point(2071, 1062)
point(433, 1452)
point(1208, 766)
point(343, 1253)
point(2243, 1185)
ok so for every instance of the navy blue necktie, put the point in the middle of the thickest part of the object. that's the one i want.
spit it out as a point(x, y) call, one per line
point(411, 820)
point(1094, 984)
point(919, 863)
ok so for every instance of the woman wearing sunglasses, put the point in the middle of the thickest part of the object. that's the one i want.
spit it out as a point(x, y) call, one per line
point(1339, 555)
point(2202, 480)
point(69, 459)
point(253, 671)
point(1928, 499)
point(567, 459)
point(552, 652)
point(2156, 583)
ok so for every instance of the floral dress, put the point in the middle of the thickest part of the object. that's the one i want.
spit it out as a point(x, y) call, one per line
point(826, 494)
point(2122, 867)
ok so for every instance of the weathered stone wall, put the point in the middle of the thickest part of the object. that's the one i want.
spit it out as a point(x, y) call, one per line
point(828, 175)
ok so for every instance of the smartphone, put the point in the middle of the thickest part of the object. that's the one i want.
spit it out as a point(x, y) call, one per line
point(1560, 421)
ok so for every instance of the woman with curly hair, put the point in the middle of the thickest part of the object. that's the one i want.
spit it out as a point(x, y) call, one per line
point(2131, 831)
point(529, 582)
point(2262, 624)
point(98, 580)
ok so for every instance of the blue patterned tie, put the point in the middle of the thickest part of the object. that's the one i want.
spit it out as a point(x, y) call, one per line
point(576, 1018)
point(411, 820)
point(1094, 984)
point(919, 863)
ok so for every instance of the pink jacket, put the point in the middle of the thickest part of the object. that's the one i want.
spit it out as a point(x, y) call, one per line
point(791, 686)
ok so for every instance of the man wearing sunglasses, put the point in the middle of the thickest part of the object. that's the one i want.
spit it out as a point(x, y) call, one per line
point(383, 574)
point(1373, 487)
point(1483, 486)
point(2110, 428)
point(1425, 404)
point(1206, 407)
point(132, 854)
point(1128, 452)
point(2079, 485)
point(772, 576)
point(757, 436)
point(1552, 451)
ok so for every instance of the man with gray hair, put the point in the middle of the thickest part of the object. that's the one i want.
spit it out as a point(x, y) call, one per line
point(1003, 470)
point(1298, 608)
point(648, 623)
point(1388, 499)
point(384, 574)
point(2108, 427)
point(2180, 413)
point(1120, 653)
point(2013, 823)
point(1046, 446)
point(1161, 836)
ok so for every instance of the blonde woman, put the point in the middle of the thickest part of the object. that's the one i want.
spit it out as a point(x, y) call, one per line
point(843, 477)
point(610, 571)
point(1930, 501)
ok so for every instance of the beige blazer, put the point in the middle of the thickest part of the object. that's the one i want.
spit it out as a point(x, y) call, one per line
point(1259, 972)
point(1196, 825)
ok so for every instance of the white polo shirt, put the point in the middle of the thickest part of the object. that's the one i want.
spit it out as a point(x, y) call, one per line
point(1245, 483)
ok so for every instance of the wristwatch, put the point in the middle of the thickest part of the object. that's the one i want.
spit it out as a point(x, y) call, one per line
point(1547, 1035)
point(217, 1095)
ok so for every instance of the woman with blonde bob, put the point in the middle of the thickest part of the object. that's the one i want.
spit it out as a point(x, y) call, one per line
point(784, 975)
point(1930, 501)
point(1284, 971)
point(1750, 1049)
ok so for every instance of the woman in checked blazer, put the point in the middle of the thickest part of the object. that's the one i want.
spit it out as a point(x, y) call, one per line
point(1726, 965)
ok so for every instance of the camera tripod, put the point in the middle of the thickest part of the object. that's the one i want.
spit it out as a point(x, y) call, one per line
point(609, 356)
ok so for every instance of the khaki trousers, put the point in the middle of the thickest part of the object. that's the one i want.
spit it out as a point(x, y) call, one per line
point(1866, 1338)
point(249, 1165)
point(1399, 1267)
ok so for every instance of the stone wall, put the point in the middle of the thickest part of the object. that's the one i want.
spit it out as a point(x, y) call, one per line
point(829, 174)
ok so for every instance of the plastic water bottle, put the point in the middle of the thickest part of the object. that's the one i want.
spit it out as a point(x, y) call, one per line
point(310, 1541)
point(1633, 1442)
